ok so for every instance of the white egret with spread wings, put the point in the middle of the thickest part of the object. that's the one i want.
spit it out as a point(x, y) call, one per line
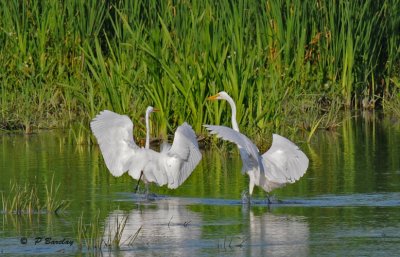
point(171, 167)
point(283, 163)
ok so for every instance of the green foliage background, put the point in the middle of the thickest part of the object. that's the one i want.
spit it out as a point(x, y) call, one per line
point(64, 61)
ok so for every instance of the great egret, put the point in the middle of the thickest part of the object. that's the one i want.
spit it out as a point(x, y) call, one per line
point(171, 167)
point(283, 163)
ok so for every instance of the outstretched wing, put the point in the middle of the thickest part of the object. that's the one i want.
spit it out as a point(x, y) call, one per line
point(178, 161)
point(114, 133)
point(242, 141)
point(284, 162)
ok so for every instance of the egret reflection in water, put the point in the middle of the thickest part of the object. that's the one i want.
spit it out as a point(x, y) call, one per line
point(179, 227)
point(166, 225)
point(278, 235)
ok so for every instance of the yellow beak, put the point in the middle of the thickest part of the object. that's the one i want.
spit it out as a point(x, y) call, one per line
point(156, 110)
point(213, 97)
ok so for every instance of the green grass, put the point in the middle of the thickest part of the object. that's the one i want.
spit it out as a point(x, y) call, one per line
point(25, 199)
point(392, 105)
point(63, 62)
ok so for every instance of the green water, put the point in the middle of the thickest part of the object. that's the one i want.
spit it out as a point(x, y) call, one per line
point(347, 204)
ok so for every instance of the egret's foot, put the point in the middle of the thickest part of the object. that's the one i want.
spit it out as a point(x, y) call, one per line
point(140, 190)
point(268, 200)
point(150, 196)
point(271, 199)
point(246, 197)
point(144, 191)
point(137, 189)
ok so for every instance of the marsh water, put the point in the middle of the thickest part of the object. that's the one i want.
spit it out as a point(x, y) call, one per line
point(347, 204)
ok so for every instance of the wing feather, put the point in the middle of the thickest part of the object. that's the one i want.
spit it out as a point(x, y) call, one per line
point(182, 157)
point(284, 162)
point(114, 133)
point(242, 141)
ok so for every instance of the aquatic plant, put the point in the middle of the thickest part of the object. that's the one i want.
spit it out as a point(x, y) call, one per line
point(24, 199)
point(114, 234)
point(21, 200)
point(225, 244)
point(90, 235)
point(392, 106)
point(93, 235)
point(52, 203)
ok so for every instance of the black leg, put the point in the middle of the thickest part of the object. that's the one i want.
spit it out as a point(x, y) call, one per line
point(268, 200)
point(137, 185)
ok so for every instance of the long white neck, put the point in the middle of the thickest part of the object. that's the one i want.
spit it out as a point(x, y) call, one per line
point(147, 146)
point(233, 107)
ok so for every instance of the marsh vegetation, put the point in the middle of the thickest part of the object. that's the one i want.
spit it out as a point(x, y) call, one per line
point(25, 199)
point(64, 61)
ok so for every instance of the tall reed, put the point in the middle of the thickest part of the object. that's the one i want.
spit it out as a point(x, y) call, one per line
point(66, 61)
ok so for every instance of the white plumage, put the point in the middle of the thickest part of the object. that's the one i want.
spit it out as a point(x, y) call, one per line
point(283, 163)
point(171, 167)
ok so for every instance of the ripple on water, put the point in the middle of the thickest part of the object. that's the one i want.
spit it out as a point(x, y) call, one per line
point(391, 199)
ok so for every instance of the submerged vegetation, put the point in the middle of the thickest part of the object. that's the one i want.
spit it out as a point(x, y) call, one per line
point(64, 61)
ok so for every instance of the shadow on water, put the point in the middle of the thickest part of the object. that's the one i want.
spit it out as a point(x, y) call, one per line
point(347, 203)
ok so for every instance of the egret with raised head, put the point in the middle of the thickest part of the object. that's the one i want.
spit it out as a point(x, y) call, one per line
point(283, 163)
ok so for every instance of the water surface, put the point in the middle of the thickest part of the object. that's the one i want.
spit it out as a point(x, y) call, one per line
point(347, 204)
